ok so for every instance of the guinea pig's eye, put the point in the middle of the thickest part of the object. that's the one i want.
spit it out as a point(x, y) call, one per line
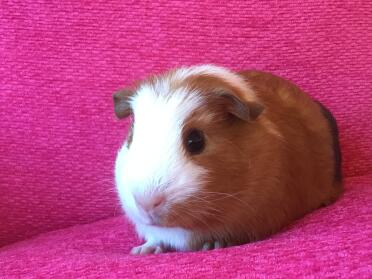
point(194, 141)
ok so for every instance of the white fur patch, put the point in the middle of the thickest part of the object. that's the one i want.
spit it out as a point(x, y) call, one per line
point(155, 159)
point(216, 71)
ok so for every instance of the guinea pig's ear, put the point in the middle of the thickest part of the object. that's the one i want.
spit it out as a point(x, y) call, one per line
point(121, 103)
point(245, 110)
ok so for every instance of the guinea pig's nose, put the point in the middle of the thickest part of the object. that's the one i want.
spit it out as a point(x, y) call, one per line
point(151, 202)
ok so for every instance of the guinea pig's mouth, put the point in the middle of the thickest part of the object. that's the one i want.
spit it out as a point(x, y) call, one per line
point(154, 221)
point(165, 220)
point(172, 215)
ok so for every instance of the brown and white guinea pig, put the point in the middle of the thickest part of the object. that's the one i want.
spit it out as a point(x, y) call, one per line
point(216, 158)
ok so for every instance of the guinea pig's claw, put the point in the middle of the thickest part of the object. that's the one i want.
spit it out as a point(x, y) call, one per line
point(212, 245)
point(207, 246)
point(147, 249)
point(218, 245)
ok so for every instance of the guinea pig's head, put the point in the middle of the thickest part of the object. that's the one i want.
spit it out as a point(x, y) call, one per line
point(181, 156)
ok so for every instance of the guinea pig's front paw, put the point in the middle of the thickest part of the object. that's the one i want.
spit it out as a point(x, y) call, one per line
point(213, 245)
point(147, 249)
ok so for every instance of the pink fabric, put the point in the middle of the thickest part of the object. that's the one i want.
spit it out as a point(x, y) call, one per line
point(60, 61)
point(333, 242)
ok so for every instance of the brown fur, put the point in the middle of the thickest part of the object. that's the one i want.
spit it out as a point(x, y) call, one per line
point(263, 173)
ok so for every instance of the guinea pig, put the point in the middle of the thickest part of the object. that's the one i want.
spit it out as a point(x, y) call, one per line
point(216, 158)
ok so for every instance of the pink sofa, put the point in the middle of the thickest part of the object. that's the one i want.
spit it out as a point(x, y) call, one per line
point(60, 63)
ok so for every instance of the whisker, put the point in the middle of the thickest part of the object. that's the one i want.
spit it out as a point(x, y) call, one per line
point(227, 195)
point(187, 212)
point(207, 207)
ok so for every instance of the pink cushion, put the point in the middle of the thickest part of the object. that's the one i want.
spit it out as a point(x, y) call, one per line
point(333, 242)
point(60, 63)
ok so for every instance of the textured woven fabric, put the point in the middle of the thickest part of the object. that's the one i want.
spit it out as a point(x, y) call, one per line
point(333, 242)
point(60, 61)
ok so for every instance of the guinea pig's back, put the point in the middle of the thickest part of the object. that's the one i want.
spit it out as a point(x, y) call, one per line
point(308, 136)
